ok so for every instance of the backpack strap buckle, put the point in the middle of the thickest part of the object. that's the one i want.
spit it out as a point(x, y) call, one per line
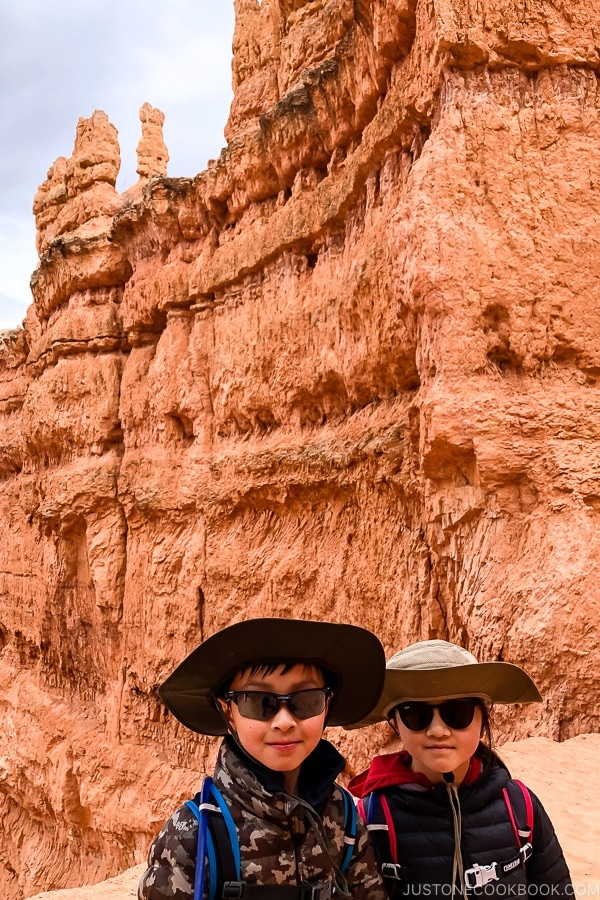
point(233, 890)
point(392, 870)
point(478, 876)
point(525, 852)
point(321, 890)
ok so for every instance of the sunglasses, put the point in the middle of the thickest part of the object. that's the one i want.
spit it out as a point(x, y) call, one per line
point(263, 705)
point(417, 715)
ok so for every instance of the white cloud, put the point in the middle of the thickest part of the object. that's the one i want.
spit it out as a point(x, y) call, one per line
point(200, 68)
point(17, 262)
point(60, 61)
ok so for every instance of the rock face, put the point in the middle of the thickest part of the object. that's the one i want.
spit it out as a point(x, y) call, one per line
point(349, 371)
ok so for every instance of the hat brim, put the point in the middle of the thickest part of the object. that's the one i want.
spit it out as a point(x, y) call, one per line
point(353, 654)
point(495, 682)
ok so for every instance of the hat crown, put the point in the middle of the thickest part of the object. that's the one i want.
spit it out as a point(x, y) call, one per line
point(436, 654)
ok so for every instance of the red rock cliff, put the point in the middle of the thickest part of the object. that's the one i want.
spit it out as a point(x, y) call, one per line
point(349, 371)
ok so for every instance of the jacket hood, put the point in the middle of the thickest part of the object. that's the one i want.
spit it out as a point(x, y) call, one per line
point(392, 769)
point(317, 773)
point(386, 770)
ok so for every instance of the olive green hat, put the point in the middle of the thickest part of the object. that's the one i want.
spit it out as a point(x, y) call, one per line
point(437, 668)
point(352, 654)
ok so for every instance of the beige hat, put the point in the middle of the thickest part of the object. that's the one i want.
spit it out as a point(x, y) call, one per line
point(440, 669)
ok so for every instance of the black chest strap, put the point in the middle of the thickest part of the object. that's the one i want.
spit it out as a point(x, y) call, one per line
point(475, 877)
point(378, 818)
point(242, 890)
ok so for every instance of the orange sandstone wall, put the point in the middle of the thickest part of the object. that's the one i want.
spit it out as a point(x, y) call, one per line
point(350, 371)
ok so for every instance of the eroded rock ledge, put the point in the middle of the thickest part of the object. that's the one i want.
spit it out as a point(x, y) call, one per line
point(350, 370)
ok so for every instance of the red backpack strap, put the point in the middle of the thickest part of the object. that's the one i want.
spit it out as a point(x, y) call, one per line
point(390, 826)
point(528, 807)
point(522, 836)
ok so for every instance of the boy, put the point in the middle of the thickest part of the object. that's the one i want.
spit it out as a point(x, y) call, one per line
point(270, 686)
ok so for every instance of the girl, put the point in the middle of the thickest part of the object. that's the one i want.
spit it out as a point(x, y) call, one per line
point(444, 814)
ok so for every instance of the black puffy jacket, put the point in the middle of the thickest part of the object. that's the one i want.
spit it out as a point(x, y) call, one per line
point(425, 838)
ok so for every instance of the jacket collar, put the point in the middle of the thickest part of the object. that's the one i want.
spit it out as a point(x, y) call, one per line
point(317, 773)
point(391, 769)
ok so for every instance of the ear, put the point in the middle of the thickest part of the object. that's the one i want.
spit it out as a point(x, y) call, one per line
point(325, 713)
point(485, 718)
point(224, 707)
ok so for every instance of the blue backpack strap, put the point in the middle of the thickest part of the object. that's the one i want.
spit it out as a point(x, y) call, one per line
point(210, 801)
point(349, 829)
point(232, 835)
point(201, 806)
point(212, 871)
point(218, 842)
point(210, 858)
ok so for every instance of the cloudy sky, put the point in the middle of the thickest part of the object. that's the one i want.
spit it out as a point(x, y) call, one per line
point(62, 60)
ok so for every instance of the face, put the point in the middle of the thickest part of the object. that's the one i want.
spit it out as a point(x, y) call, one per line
point(439, 748)
point(283, 742)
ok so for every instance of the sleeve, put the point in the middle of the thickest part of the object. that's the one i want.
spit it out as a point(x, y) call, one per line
point(172, 860)
point(547, 864)
point(362, 874)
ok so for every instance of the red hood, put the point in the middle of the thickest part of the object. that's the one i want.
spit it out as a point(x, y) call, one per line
point(393, 768)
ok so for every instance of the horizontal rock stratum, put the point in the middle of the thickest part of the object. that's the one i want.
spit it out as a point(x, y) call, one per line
point(349, 371)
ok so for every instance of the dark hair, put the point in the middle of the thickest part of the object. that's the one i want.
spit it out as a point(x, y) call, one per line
point(267, 668)
point(484, 750)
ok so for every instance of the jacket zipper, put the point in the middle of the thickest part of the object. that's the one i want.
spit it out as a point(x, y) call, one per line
point(295, 843)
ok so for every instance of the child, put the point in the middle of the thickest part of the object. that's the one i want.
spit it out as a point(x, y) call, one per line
point(444, 813)
point(270, 686)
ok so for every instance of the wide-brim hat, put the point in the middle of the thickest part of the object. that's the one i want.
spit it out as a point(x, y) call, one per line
point(432, 669)
point(352, 654)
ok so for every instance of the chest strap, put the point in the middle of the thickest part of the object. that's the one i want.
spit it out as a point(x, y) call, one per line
point(241, 890)
point(396, 871)
point(475, 877)
point(478, 876)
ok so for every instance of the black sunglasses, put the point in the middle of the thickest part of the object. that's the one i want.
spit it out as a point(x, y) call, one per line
point(263, 705)
point(418, 715)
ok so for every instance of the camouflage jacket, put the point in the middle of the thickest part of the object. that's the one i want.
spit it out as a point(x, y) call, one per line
point(281, 837)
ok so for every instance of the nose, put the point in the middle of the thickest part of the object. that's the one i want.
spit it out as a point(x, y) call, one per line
point(283, 719)
point(437, 725)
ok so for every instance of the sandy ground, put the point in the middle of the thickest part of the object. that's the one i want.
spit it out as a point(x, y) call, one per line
point(566, 779)
point(123, 887)
point(564, 776)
